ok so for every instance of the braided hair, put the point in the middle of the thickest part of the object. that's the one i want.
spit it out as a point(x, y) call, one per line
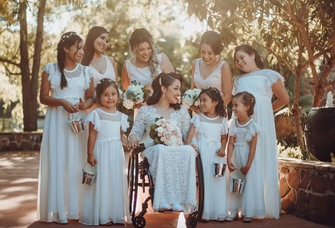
point(67, 40)
point(215, 95)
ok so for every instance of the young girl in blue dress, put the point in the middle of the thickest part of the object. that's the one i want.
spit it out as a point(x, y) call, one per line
point(106, 201)
point(243, 134)
point(211, 127)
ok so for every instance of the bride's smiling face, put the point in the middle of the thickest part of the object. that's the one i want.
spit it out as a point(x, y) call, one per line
point(172, 93)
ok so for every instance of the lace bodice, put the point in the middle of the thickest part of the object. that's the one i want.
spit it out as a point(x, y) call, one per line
point(146, 117)
point(245, 132)
point(210, 129)
point(258, 83)
point(78, 81)
point(108, 125)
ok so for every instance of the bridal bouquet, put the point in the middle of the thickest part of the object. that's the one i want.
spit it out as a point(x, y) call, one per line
point(191, 98)
point(134, 95)
point(165, 132)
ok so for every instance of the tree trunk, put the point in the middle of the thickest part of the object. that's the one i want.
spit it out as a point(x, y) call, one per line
point(25, 71)
point(36, 66)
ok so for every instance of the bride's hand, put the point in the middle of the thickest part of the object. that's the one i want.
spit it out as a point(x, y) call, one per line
point(133, 142)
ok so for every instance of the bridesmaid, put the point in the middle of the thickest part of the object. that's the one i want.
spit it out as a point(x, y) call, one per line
point(146, 63)
point(262, 83)
point(210, 70)
point(102, 66)
point(67, 90)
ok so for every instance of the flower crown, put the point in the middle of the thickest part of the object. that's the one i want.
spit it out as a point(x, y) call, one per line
point(213, 89)
point(67, 36)
point(104, 80)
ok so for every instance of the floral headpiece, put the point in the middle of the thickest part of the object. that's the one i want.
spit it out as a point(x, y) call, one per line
point(105, 79)
point(67, 36)
point(213, 89)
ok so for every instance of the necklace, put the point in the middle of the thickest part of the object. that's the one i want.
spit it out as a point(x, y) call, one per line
point(99, 64)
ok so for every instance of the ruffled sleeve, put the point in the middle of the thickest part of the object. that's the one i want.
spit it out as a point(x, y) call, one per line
point(124, 122)
point(224, 126)
point(50, 68)
point(88, 74)
point(272, 77)
point(93, 117)
point(232, 128)
point(253, 129)
point(196, 123)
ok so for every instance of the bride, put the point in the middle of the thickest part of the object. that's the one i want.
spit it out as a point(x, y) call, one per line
point(172, 167)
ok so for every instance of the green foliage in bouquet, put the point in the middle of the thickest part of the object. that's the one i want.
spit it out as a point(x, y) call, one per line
point(154, 134)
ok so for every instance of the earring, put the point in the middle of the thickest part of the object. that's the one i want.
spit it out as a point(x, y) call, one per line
point(163, 94)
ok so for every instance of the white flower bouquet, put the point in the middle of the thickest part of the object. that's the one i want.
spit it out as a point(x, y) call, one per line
point(191, 98)
point(134, 95)
point(165, 132)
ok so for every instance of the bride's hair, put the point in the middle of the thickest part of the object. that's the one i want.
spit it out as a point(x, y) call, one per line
point(163, 79)
point(142, 35)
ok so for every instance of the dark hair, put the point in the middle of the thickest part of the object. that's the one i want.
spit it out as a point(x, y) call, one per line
point(142, 35)
point(104, 84)
point(67, 40)
point(213, 39)
point(215, 95)
point(89, 49)
point(163, 79)
point(247, 99)
point(249, 50)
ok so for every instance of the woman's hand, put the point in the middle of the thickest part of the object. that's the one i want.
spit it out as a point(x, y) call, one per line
point(133, 142)
point(221, 152)
point(245, 170)
point(231, 167)
point(69, 107)
point(80, 105)
point(194, 147)
point(92, 160)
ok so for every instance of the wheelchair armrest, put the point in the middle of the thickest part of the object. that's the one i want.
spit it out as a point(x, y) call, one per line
point(139, 149)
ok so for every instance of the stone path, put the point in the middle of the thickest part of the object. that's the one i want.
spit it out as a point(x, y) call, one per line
point(18, 192)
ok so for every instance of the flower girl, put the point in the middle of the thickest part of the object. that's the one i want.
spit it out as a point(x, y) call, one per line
point(211, 127)
point(240, 158)
point(106, 201)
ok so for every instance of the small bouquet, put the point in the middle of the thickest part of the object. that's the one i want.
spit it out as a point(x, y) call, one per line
point(135, 95)
point(191, 98)
point(165, 132)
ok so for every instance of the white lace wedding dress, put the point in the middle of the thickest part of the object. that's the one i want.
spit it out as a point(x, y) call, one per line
point(172, 167)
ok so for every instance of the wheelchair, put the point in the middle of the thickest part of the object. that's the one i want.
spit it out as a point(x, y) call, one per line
point(139, 176)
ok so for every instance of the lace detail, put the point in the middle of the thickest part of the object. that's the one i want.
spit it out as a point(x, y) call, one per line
point(272, 77)
point(254, 129)
point(173, 168)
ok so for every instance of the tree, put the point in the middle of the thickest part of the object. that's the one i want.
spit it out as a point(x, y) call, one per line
point(295, 33)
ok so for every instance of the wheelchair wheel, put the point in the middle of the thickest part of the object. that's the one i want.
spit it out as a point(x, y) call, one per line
point(139, 222)
point(200, 188)
point(133, 183)
point(191, 221)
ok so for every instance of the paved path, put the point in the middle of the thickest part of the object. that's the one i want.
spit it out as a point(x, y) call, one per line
point(18, 192)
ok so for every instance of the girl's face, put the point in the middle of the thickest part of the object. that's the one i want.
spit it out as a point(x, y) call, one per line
point(206, 104)
point(245, 62)
point(143, 52)
point(172, 93)
point(109, 97)
point(76, 51)
point(239, 108)
point(100, 43)
point(207, 54)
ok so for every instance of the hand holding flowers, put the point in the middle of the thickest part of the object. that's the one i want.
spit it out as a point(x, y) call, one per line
point(135, 95)
point(191, 98)
point(165, 132)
